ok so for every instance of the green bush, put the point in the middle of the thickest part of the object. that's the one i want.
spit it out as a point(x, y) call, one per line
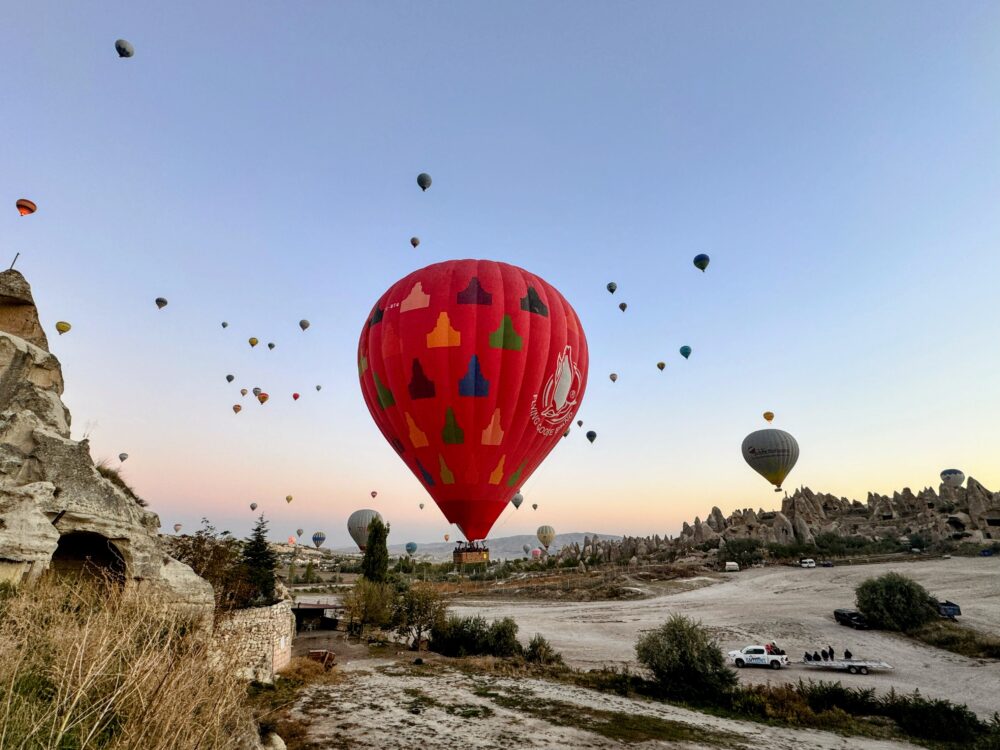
point(540, 651)
point(746, 552)
point(895, 602)
point(416, 611)
point(369, 603)
point(472, 636)
point(932, 719)
point(685, 662)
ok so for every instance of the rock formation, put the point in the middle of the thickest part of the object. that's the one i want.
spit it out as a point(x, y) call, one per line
point(56, 509)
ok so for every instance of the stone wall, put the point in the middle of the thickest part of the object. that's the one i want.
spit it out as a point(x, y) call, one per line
point(262, 638)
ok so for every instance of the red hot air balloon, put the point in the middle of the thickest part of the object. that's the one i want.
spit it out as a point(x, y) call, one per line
point(472, 370)
point(295, 397)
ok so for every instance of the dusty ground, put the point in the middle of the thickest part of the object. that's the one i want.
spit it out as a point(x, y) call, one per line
point(388, 703)
point(793, 607)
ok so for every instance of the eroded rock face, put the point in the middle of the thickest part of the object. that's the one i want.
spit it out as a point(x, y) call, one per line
point(53, 501)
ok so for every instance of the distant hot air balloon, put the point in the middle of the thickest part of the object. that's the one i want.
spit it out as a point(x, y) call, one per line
point(769, 415)
point(161, 302)
point(177, 527)
point(124, 48)
point(534, 506)
point(685, 351)
point(318, 538)
point(448, 340)
point(612, 287)
point(262, 397)
point(63, 327)
point(545, 534)
point(517, 500)
point(536, 554)
point(414, 241)
point(421, 506)
point(237, 408)
point(374, 494)
point(701, 261)
point(291, 540)
point(253, 506)
point(660, 366)
point(623, 307)
point(230, 378)
point(411, 548)
point(243, 391)
point(257, 391)
point(288, 498)
point(527, 549)
point(304, 324)
point(591, 436)
point(253, 341)
point(25, 207)
point(225, 324)
point(358, 523)
point(319, 387)
point(299, 532)
point(270, 345)
point(952, 478)
point(122, 457)
point(579, 423)
point(566, 434)
point(614, 377)
point(424, 180)
point(295, 397)
point(771, 453)
point(447, 537)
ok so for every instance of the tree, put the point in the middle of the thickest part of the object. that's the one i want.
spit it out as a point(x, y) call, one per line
point(259, 563)
point(746, 552)
point(895, 602)
point(375, 564)
point(369, 603)
point(215, 556)
point(416, 611)
point(685, 662)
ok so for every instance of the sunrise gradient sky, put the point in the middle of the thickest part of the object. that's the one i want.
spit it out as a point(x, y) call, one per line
point(256, 163)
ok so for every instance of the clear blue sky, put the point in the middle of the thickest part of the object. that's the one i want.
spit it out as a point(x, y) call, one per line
point(256, 163)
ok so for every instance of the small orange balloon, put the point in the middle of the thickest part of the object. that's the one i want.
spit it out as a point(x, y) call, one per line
point(263, 397)
point(253, 341)
point(26, 207)
point(769, 415)
point(237, 408)
point(446, 537)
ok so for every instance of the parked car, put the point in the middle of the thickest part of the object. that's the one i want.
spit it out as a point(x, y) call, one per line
point(850, 617)
point(732, 567)
point(807, 562)
point(826, 564)
point(949, 609)
point(757, 656)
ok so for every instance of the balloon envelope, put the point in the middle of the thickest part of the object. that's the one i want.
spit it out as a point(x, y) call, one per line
point(685, 351)
point(613, 376)
point(161, 302)
point(177, 527)
point(517, 500)
point(421, 506)
point(270, 345)
point(592, 436)
point(62, 326)
point(291, 540)
point(771, 453)
point(358, 523)
point(124, 48)
point(295, 397)
point(319, 387)
point(545, 535)
point(253, 506)
point(472, 370)
point(374, 494)
point(411, 547)
point(304, 324)
point(579, 423)
point(414, 241)
point(122, 456)
point(230, 378)
point(534, 506)
point(288, 498)
point(26, 207)
point(612, 286)
point(237, 408)
point(526, 548)
point(701, 261)
point(424, 180)
point(952, 478)
point(318, 538)
point(623, 307)
point(225, 324)
point(661, 365)
point(257, 391)
point(447, 537)
point(536, 553)
point(262, 397)
point(298, 532)
point(243, 391)
point(769, 415)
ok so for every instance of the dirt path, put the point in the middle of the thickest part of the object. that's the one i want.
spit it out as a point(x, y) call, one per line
point(383, 703)
point(793, 607)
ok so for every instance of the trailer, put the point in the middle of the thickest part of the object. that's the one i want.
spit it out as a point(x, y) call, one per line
point(851, 666)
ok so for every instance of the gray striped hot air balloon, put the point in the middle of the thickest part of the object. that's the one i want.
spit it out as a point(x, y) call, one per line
point(357, 525)
point(952, 478)
point(546, 534)
point(771, 453)
point(517, 500)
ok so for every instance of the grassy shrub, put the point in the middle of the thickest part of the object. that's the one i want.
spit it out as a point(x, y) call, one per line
point(472, 636)
point(746, 552)
point(114, 476)
point(958, 639)
point(540, 651)
point(416, 611)
point(369, 604)
point(89, 665)
point(895, 602)
point(686, 663)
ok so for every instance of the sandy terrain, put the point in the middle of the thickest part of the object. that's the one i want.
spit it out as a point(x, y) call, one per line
point(384, 703)
point(793, 607)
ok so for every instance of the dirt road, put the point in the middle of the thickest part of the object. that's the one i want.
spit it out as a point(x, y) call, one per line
point(793, 607)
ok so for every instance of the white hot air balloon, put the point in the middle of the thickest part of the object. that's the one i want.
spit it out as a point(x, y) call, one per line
point(177, 527)
point(546, 534)
point(517, 500)
point(771, 453)
point(952, 478)
point(357, 525)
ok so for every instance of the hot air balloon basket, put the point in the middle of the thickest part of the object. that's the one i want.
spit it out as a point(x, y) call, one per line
point(473, 556)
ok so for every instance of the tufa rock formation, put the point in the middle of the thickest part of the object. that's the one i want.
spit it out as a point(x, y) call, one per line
point(56, 510)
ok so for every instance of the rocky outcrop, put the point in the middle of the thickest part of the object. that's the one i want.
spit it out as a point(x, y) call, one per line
point(56, 509)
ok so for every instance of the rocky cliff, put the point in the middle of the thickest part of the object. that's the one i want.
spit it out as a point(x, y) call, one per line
point(56, 510)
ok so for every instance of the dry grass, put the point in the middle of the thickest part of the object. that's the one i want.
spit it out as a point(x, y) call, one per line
point(86, 665)
point(114, 476)
point(958, 639)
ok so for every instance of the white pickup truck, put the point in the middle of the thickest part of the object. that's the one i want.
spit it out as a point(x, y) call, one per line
point(757, 656)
